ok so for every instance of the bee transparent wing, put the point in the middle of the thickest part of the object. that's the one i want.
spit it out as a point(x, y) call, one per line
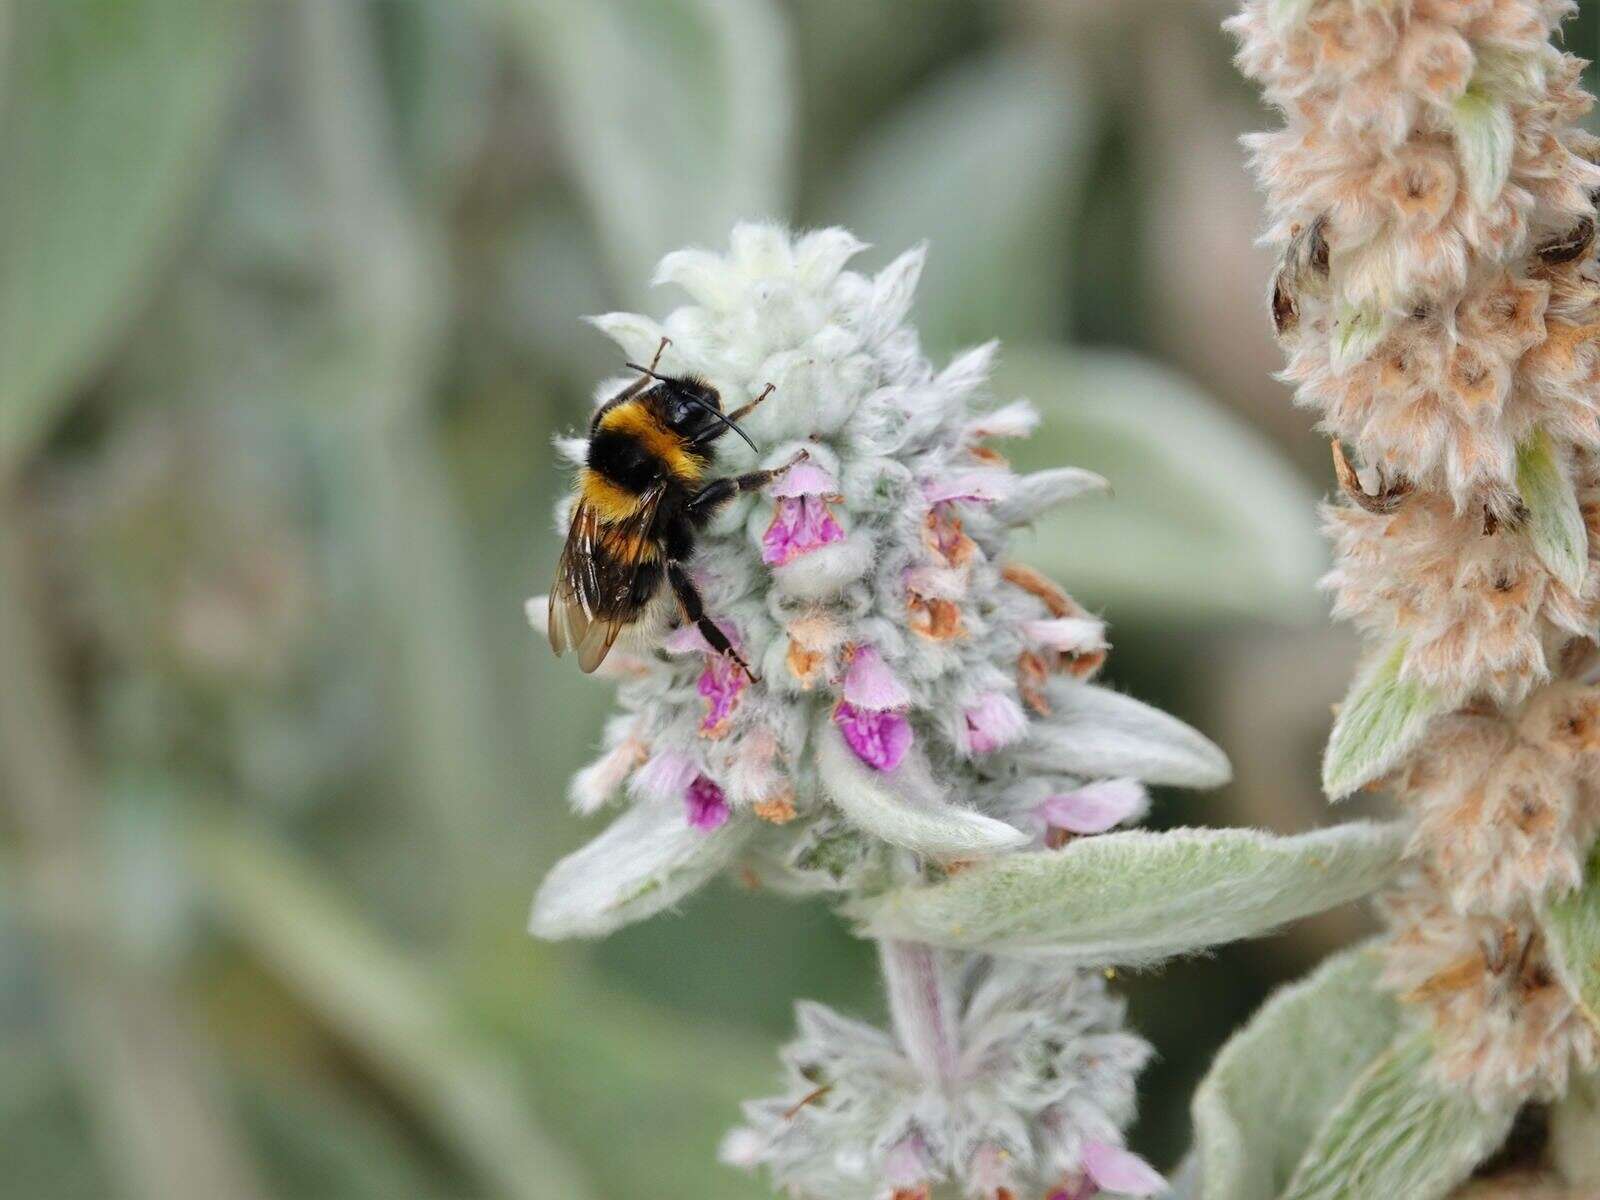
point(591, 602)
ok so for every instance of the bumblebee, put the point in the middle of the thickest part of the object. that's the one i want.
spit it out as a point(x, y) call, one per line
point(643, 497)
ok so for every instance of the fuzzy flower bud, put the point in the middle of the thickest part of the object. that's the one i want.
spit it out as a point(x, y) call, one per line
point(1037, 1090)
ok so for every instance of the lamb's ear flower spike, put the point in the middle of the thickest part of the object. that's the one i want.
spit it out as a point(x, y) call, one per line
point(1433, 200)
point(924, 708)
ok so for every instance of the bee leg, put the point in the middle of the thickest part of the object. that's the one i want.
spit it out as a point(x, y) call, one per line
point(629, 392)
point(661, 346)
point(695, 610)
point(749, 408)
point(703, 505)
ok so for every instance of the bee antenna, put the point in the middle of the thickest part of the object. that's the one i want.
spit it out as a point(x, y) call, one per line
point(719, 415)
point(647, 371)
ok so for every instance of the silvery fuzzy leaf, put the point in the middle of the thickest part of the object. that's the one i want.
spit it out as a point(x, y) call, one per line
point(1041, 491)
point(1572, 926)
point(140, 90)
point(1555, 523)
point(1185, 1181)
point(1485, 138)
point(1138, 897)
point(928, 167)
point(1100, 734)
point(1356, 334)
point(647, 860)
point(1266, 1096)
point(1398, 1132)
point(716, 81)
point(386, 1012)
point(936, 829)
point(1208, 519)
point(1575, 1132)
point(1379, 722)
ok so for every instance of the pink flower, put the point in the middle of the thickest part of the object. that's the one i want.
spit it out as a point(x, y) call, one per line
point(720, 684)
point(869, 684)
point(800, 525)
point(880, 739)
point(707, 806)
point(996, 720)
point(802, 521)
point(805, 478)
point(667, 774)
point(906, 1165)
point(1094, 808)
point(687, 639)
point(1117, 1170)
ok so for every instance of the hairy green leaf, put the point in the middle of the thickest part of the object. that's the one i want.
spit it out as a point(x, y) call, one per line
point(385, 1009)
point(1398, 1132)
point(1096, 732)
point(1268, 1092)
point(1575, 1132)
point(716, 82)
point(1572, 926)
point(1356, 334)
point(1485, 138)
point(1555, 522)
point(647, 860)
point(1135, 898)
point(933, 164)
point(1381, 719)
point(1208, 519)
point(109, 113)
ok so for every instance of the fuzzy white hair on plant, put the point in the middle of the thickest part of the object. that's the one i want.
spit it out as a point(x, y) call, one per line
point(906, 665)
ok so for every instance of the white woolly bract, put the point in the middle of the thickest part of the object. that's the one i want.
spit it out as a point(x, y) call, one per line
point(1043, 1067)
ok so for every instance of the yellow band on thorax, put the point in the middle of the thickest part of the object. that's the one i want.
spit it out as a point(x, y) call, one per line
point(635, 419)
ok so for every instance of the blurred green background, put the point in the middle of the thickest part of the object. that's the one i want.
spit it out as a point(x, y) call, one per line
point(289, 311)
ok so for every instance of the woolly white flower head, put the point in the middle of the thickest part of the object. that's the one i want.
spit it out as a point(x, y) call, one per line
point(918, 692)
point(1038, 1090)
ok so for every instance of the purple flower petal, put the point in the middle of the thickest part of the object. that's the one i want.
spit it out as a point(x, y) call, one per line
point(667, 774)
point(869, 683)
point(687, 639)
point(720, 684)
point(1094, 808)
point(879, 739)
point(800, 525)
point(996, 720)
point(1117, 1170)
point(707, 806)
point(804, 479)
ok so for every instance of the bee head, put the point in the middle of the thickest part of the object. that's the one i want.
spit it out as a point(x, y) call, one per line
point(691, 406)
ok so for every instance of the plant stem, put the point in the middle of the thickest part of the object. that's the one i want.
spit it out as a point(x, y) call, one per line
point(152, 1099)
point(922, 1004)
